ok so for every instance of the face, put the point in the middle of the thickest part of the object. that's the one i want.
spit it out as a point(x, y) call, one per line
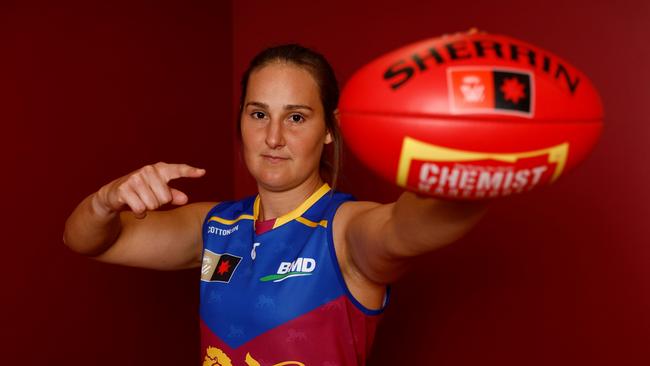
point(283, 127)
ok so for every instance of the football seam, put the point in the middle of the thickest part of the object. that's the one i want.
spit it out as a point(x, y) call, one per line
point(473, 117)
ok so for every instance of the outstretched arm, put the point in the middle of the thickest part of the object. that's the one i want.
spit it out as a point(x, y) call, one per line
point(382, 239)
point(119, 224)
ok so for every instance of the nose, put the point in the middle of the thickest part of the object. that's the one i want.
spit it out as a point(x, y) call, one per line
point(274, 134)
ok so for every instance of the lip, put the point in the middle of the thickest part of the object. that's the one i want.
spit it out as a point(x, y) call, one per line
point(274, 158)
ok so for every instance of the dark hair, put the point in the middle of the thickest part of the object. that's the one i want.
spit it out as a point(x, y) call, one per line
point(325, 78)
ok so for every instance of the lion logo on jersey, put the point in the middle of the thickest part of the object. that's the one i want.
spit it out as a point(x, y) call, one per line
point(216, 357)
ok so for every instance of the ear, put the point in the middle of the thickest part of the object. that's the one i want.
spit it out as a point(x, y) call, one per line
point(328, 137)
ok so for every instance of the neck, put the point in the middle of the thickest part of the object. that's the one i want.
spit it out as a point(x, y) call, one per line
point(274, 204)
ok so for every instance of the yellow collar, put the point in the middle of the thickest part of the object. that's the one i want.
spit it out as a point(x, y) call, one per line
point(298, 211)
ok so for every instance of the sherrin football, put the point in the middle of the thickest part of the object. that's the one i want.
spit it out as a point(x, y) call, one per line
point(470, 116)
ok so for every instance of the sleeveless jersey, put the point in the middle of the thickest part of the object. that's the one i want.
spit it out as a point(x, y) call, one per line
point(279, 298)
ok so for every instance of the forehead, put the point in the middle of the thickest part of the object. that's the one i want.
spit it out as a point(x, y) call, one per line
point(281, 83)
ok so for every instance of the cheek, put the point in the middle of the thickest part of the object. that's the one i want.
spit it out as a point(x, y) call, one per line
point(310, 147)
point(248, 136)
point(246, 143)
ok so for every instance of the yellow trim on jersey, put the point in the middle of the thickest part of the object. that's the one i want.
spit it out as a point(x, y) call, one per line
point(230, 222)
point(310, 223)
point(298, 211)
point(256, 208)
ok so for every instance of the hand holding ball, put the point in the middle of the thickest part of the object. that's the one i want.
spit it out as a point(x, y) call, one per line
point(470, 116)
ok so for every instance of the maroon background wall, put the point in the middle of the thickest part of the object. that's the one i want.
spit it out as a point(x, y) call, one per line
point(90, 91)
point(556, 277)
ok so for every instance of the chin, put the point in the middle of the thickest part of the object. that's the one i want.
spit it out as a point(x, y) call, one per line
point(275, 186)
point(277, 180)
point(273, 182)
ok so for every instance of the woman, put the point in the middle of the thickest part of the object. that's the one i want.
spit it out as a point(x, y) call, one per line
point(297, 274)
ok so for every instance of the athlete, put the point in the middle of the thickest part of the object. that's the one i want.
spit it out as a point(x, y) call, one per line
point(298, 274)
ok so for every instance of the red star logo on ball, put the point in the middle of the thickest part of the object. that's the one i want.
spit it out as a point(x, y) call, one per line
point(512, 90)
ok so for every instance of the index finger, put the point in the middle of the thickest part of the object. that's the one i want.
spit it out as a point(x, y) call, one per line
point(173, 171)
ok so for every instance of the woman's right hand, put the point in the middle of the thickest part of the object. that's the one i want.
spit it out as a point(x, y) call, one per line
point(101, 227)
point(145, 189)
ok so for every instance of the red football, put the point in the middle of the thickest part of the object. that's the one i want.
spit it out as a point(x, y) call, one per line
point(470, 116)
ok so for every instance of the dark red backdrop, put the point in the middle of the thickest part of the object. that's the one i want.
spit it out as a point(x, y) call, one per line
point(91, 91)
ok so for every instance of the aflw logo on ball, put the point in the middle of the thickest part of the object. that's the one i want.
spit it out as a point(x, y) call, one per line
point(450, 172)
point(490, 91)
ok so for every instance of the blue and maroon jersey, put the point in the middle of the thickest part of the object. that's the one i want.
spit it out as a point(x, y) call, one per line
point(279, 297)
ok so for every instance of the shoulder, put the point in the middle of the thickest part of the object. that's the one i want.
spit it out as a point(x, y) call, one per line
point(369, 293)
point(345, 214)
point(243, 205)
point(201, 209)
point(354, 218)
point(351, 209)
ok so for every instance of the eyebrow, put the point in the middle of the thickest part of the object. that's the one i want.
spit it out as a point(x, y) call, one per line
point(297, 106)
point(286, 107)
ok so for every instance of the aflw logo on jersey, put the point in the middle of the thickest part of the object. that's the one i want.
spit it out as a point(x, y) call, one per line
point(218, 267)
point(299, 267)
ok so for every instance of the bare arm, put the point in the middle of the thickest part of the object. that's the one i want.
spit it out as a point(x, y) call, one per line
point(119, 224)
point(381, 240)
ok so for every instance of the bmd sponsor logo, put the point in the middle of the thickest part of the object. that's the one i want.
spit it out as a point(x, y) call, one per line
point(299, 267)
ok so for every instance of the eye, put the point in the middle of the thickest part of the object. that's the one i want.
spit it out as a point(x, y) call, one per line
point(296, 118)
point(258, 115)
